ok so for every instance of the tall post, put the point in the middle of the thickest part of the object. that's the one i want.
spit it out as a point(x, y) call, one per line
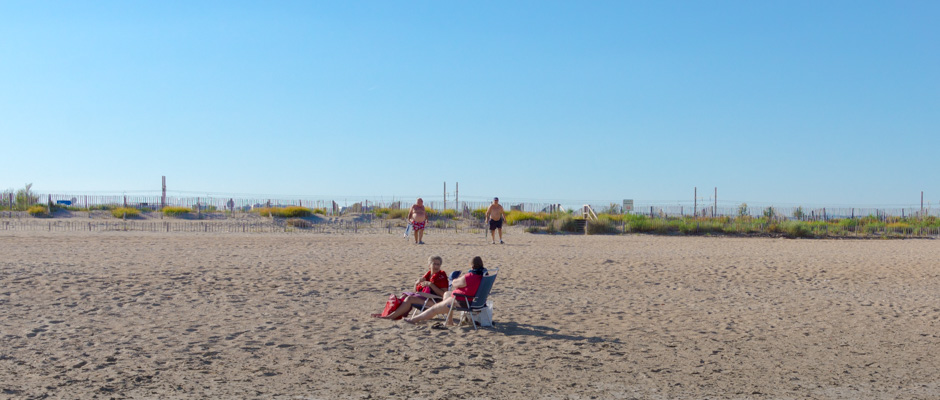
point(445, 197)
point(163, 198)
point(715, 210)
point(921, 203)
point(457, 197)
point(695, 203)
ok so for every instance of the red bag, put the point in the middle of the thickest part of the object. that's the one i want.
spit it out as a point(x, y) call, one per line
point(391, 305)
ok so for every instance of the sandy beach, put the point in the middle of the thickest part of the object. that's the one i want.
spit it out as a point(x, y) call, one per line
point(196, 315)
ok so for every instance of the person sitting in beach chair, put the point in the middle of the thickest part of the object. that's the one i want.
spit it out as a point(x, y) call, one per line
point(466, 285)
point(428, 290)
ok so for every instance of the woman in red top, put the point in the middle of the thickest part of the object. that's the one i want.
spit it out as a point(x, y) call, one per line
point(467, 284)
point(433, 282)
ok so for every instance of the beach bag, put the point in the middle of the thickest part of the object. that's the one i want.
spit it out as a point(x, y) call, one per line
point(391, 305)
point(485, 316)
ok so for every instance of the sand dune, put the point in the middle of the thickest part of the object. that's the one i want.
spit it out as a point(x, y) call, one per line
point(191, 315)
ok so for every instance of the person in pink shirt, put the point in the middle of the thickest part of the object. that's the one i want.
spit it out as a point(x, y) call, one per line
point(467, 284)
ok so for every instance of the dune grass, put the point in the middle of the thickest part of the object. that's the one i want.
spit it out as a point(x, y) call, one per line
point(284, 212)
point(390, 213)
point(38, 211)
point(176, 211)
point(770, 224)
point(125, 212)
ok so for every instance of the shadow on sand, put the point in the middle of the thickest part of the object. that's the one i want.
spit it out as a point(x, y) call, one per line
point(544, 332)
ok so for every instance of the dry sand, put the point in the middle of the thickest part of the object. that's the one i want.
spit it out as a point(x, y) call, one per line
point(157, 315)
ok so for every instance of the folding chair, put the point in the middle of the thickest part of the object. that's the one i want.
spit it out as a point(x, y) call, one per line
point(473, 305)
point(415, 308)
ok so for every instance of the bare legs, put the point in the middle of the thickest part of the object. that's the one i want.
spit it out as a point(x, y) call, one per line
point(419, 236)
point(493, 234)
point(438, 308)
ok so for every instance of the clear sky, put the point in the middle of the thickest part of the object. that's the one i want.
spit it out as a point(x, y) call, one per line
point(799, 102)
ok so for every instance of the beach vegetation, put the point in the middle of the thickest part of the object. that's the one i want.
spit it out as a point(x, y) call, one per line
point(798, 213)
point(24, 198)
point(569, 224)
point(299, 223)
point(174, 211)
point(389, 213)
point(125, 212)
point(604, 225)
point(449, 213)
point(284, 212)
point(612, 209)
point(770, 223)
point(478, 213)
point(796, 229)
point(38, 211)
point(770, 213)
point(743, 211)
point(514, 217)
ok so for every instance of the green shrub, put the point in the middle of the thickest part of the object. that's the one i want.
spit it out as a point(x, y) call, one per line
point(796, 229)
point(639, 224)
point(176, 211)
point(689, 228)
point(125, 212)
point(38, 211)
point(478, 213)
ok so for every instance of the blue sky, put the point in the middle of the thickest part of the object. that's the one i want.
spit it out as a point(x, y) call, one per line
point(791, 102)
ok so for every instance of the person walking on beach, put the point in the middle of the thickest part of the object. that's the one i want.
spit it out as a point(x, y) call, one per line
point(418, 217)
point(495, 216)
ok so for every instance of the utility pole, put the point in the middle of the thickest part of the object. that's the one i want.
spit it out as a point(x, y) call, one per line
point(715, 210)
point(163, 199)
point(695, 203)
point(457, 197)
point(445, 197)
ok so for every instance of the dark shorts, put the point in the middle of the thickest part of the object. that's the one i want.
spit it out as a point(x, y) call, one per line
point(494, 224)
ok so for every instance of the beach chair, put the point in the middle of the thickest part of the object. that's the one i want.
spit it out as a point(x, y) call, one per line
point(471, 307)
point(415, 309)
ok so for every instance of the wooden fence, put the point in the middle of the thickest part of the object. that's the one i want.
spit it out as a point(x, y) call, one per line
point(275, 225)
